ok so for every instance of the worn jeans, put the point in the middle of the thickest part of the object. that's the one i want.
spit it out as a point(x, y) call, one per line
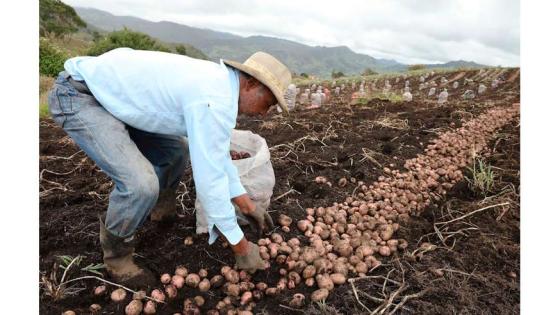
point(141, 164)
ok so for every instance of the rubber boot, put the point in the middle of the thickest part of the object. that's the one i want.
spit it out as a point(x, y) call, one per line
point(164, 210)
point(119, 263)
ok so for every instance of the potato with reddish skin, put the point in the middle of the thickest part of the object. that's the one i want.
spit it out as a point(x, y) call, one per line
point(150, 307)
point(134, 308)
point(319, 295)
point(178, 281)
point(100, 290)
point(232, 289)
point(158, 295)
point(232, 276)
point(171, 291)
point(204, 285)
point(94, 308)
point(284, 220)
point(297, 300)
point(118, 295)
point(217, 281)
point(139, 295)
point(192, 280)
point(338, 278)
point(199, 300)
point(181, 271)
point(165, 278)
point(246, 297)
point(324, 282)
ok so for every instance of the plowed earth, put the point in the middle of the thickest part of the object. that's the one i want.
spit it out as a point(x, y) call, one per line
point(475, 271)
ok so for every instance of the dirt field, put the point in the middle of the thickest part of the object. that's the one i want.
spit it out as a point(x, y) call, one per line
point(475, 271)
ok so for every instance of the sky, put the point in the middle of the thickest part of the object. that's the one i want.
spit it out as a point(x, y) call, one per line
point(408, 31)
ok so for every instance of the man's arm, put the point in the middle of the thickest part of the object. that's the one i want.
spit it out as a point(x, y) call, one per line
point(209, 141)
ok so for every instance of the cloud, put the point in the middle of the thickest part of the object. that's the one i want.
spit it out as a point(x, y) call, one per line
point(408, 31)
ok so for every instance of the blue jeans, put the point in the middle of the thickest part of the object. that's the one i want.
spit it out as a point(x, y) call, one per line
point(141, 164)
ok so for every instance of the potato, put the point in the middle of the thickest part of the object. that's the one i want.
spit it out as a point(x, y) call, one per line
point(171, 291)
point(198, 300)
point(246, 286)
point(295, 277)
point(70, 312)
point(342, 182)
point(304, 225)
point(192, 280)
point(204, 285)
point(181, 271)
point(261, 286)
point(319, 295)
point(165, 278)
point(361, 267)
point(178, 281)
point(276, 238)
point(217, 281)
point(158, 295)
point(297, 300)
point(139, 295)
point(232, 276)
point(244, 275)
point(100, 290)
point(285, 229)
point(309, 255)
point(386, 232)
point(340, 267)
point(94, 308)
point(384, 251)
point(232, 289)
point(224, 270)
point(338, 278)
point(134, 308)
point(324, 282)
point(246, 297)
point(284, 220)
point(310, 282)
point(203, 273)
point(188, 241)
point(150, 307)
point(118, 295)
point(271, 291)
point(309, 272)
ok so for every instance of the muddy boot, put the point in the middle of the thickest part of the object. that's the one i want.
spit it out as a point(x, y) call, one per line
point(164, 210)
point(117, 256)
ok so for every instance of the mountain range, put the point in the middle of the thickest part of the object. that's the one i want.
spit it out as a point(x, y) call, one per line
point(300, 58)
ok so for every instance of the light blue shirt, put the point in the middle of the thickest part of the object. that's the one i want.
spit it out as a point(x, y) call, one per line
point(173, 94)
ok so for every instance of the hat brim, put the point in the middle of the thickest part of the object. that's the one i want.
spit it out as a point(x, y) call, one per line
point(257, 75)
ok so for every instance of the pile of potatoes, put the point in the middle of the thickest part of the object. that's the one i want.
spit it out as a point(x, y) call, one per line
point(346, 239)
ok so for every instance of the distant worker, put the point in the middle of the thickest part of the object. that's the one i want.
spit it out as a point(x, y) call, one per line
point(131, 112)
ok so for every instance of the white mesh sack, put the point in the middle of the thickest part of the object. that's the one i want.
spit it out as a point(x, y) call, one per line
point(469, 94)
point(481, 89)
point(442, 98)
point(432, 91)
point(407, 96)
point(255, 172)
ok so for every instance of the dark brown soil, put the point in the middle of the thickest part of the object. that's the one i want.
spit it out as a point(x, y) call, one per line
point(335, 141)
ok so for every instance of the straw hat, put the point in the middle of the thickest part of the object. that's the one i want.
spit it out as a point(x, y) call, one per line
point(269, 71)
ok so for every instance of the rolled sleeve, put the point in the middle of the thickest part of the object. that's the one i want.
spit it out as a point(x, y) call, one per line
point(209, 141)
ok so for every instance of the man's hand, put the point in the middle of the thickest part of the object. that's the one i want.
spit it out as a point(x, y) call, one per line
point(247, 256)
point(247, 207)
